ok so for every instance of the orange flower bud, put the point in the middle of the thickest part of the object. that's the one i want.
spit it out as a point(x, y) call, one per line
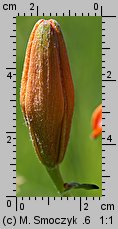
point(47, 93)
point(97, 122)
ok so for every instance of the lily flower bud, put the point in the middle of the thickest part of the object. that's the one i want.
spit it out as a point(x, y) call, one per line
point(97, 122)
point(47, 93)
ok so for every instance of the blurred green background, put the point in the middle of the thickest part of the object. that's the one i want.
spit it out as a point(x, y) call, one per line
point(83, 158)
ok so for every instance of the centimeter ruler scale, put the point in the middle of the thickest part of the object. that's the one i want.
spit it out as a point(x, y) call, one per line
point(73, 212)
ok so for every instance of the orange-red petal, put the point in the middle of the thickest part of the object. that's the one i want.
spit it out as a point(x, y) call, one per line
point(96, 122)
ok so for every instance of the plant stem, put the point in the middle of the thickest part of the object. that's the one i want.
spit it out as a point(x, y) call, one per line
point(57, 179)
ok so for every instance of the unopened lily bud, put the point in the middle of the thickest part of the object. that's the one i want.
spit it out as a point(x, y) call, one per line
point(47, 93)
point(96, 122)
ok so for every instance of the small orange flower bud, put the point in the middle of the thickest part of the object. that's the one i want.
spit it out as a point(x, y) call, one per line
point(97, 122)
point(47, 93)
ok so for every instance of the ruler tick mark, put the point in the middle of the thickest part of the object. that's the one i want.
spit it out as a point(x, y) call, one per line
point(80, 203)
point(48, 201)
point(37, 10)
point(105, 48)
point(109, 80)
point(109, 16)
point(109, 144)
point(101, 11)
point(10, 132)
point(106, 176)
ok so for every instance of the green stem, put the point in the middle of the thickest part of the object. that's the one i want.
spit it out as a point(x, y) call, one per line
point(57, 179)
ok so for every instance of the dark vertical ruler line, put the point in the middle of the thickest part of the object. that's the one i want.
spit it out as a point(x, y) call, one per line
point(37, 11)
point(16, 203)
point(80, 204)
point(101, 11)
point(48, 200)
